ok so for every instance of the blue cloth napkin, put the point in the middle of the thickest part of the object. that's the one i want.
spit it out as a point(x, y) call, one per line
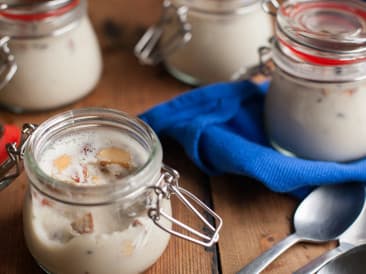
point(220, 127)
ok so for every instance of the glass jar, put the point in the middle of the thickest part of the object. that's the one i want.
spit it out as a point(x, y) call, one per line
point(314, 108)
point(206, 41)
point(98, 196)
point(50, 53)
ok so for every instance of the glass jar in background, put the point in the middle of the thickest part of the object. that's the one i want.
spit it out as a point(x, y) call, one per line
point(206, 41)
point(50, 53)
point(315, 106)
point(98, 195)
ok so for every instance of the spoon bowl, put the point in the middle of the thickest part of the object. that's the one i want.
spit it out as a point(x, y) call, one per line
point(328, 211)
point(354, 236)
point(322, 216)
point(352, 262)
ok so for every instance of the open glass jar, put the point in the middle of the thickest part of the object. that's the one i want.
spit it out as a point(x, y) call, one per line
point(206, 41)
point(98, 196)
point(315, 104)
point(50, 54)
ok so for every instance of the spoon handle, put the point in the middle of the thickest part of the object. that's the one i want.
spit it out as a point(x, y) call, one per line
point(315, 265)
point(270, 255)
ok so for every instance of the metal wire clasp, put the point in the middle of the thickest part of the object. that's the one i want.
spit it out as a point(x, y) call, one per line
point(244, 73)
point(265, 55)
point(167, 186)
point(146, 48)
point(268, 9)
point(8, 65)
point(13, 166)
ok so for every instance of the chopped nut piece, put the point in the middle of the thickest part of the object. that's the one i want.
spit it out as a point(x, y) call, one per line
point(75, 178)
point(114, 155)
point(103, 167)
point(62, 162)
point(325, 92)
point(136, 222)
point(127, 248)
point(84, 224)
point(95, 179)
point(350, 92)
point(46, 202)
point(85, 172)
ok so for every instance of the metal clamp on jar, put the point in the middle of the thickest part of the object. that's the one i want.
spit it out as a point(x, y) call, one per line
point(98, 199)
point(43, 45)
point(206, 41)
point(315, 104)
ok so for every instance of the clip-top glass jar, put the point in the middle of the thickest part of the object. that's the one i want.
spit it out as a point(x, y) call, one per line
point(315, 104)
point(98, 197)
point(206, 41)
point(50, 53)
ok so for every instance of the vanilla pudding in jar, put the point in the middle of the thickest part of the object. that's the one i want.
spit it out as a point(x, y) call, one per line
point(205, 41)
point(51, 54)
point(99, 196)
point(315, 106)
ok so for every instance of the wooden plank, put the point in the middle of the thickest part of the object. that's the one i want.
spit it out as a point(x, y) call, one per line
point(254, 220)
point(182, 256)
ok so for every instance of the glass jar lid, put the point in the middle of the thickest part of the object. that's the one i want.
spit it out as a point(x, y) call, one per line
point(331, 32)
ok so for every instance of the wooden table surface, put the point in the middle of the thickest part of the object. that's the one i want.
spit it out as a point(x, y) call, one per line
point(254, 218)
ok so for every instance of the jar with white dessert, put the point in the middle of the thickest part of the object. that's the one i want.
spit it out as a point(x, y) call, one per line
point(99, 195)
point(315, 106)
point(205, 41)
point(50, 54)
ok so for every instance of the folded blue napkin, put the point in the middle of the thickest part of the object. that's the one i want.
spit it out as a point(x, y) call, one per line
point(220, 127)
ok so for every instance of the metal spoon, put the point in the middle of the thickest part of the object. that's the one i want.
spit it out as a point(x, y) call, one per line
point(322, 216)
point(352, 262)
point(354, 236)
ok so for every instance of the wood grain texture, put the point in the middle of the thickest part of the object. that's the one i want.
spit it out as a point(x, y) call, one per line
point(254, 220)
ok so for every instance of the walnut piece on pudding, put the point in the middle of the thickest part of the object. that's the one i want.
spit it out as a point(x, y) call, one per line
point(114, 155)
point(84, 224)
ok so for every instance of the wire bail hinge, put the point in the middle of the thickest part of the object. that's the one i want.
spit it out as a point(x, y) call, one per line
point(168, 185)
point(270, 6)
point(13, 166)
point(150, 50)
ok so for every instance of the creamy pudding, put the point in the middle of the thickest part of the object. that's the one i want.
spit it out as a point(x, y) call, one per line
point(225, 37)
point(315, 120)
point(116, 237)
point(53, 71)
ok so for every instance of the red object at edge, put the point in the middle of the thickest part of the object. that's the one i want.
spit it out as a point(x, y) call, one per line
point(10, 134)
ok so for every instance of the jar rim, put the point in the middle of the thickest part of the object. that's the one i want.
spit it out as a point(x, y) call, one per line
point(56, 189)
point(37, 11)
point(319, 59)
point(297, 66)
point(40, 23)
